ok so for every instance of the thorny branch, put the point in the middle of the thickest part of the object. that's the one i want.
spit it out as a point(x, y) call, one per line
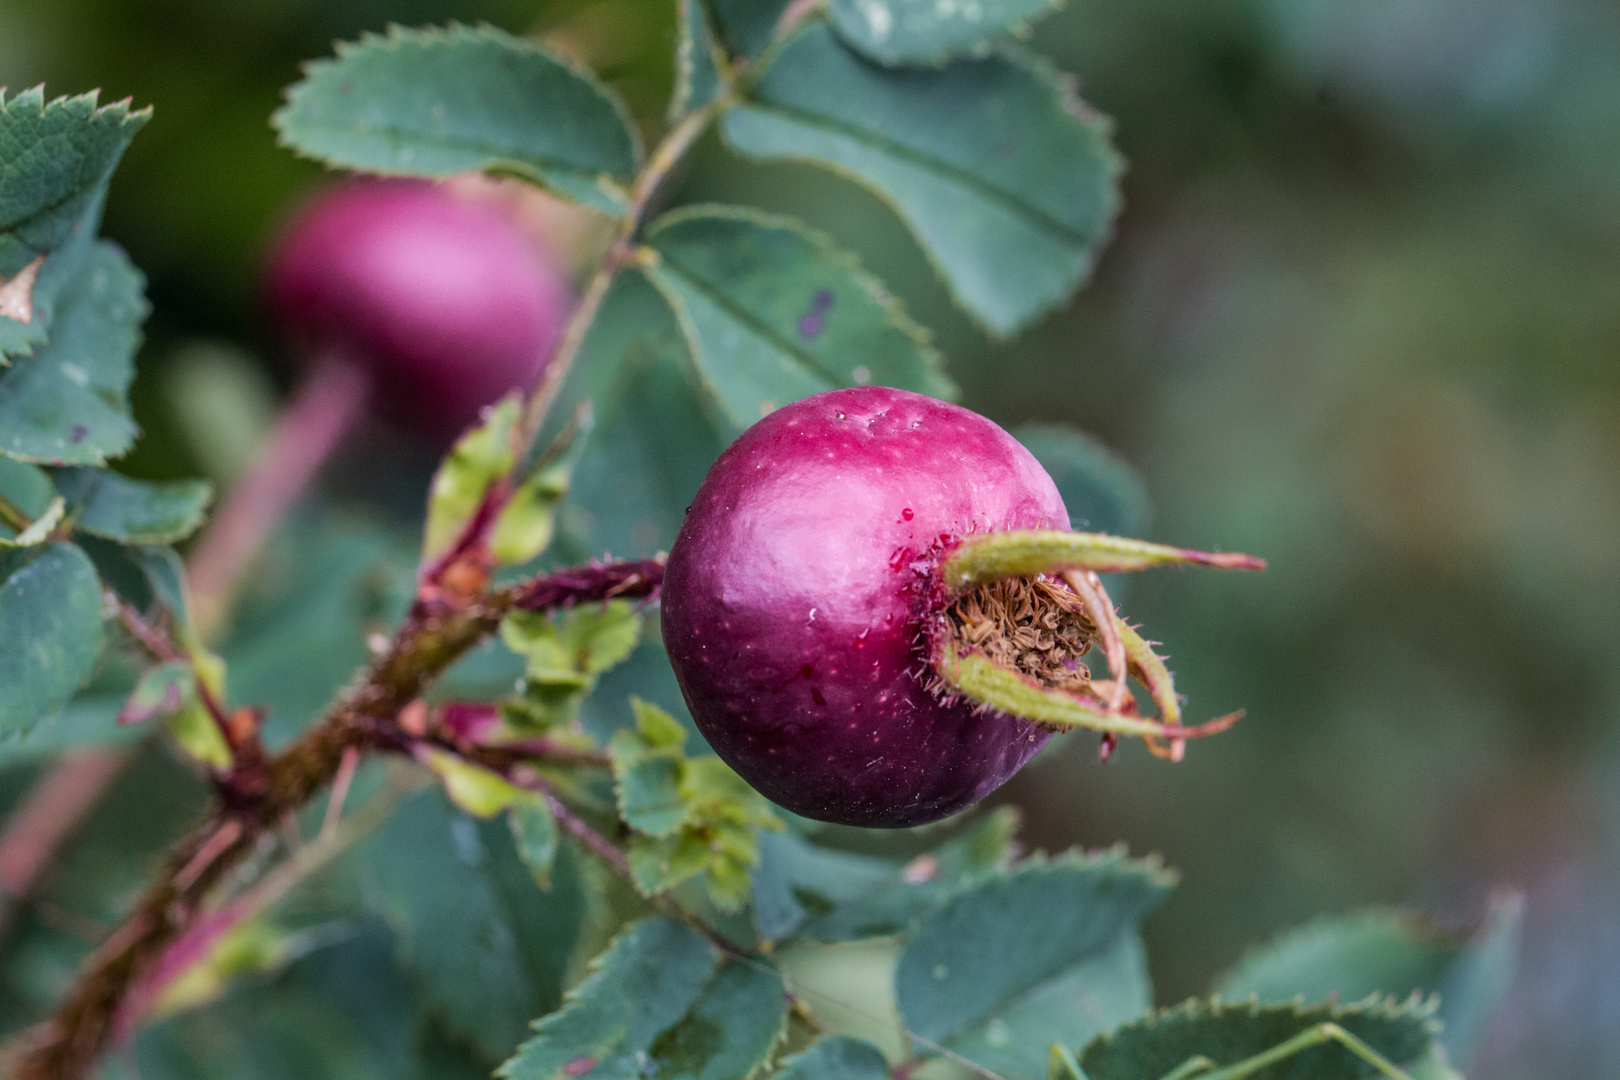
point(363, 719)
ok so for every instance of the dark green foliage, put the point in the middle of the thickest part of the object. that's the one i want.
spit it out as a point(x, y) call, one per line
point(1101, 491)
point(772, 313)
point(1043, 953)
point(927, 31)
point(114, 507)
point(820, 894)
point(1229, 1033)
point(836, 1058)
point(54, 160)
point(50, 616)
point(660, 1001)
point(1007, 181)
point(435, 102)
point(471, 918)
point(67, 403)
point(1384, 951)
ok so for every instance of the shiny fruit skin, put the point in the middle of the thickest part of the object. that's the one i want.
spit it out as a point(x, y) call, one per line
point(797, 593)
point(446, 300)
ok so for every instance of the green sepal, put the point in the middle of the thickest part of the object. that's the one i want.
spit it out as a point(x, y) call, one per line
point(564, 654)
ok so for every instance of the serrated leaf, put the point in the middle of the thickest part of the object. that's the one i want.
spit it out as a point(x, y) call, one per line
point(836, 1057)
point(697, 63)
point(52, 280)
point(642, 986)
point(564, 653)
point(50, 631)
point(1385, 951)
point(989, 951)
point(730, 1031)
point(115, 507)
point(54, 158)
point(489, 948)
point(927, 31)
point(773, 312)
point(39, 530)
point(1101, 491)
point(161, 692)
point(68, 403)
point(812, 893)
point(534, 831)
point(747, 25)
point(1097, 995)
point(1229, 1033)
point(1007, 180)
point(433, 102)
point(691, 815)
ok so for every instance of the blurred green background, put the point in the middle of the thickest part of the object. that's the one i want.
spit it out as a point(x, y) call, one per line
point(1362, 316)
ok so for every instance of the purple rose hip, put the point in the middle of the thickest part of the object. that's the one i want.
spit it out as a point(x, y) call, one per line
point(841, 559)
point(445, 301)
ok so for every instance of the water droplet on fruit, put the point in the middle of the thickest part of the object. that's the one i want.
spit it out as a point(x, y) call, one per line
point(908, 513)
point(860, 638)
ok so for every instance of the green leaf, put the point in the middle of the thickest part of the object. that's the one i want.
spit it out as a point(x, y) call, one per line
point(1229, 1033)
point(534, 831)
point(39, 530)
point(489, 948)
point(474, 789)
point(812, 893)
point(1094, 996)
point(434, 102)
point(643, 985)
point(836, 1057)
point(697, 62)
point(478, 459)
point(68, 403)
point(564, 652)
point(50, 620)
point(88, 719)
point(133, 511)
point(1008, 181)
point(51, 281)
point(26, 487)
point(1385, 951)
point(54, 158)
point(691, 815)
point(1102, 492)
point(773, 312)
point(927, 31)
point(748, 25)
point(658, 1003)
point(730, 1032)
point(982, 963)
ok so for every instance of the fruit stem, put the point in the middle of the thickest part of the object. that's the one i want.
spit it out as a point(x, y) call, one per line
point(325, 408)
point(1020, 553)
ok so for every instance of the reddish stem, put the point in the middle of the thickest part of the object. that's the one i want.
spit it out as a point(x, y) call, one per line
point(325, 408)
